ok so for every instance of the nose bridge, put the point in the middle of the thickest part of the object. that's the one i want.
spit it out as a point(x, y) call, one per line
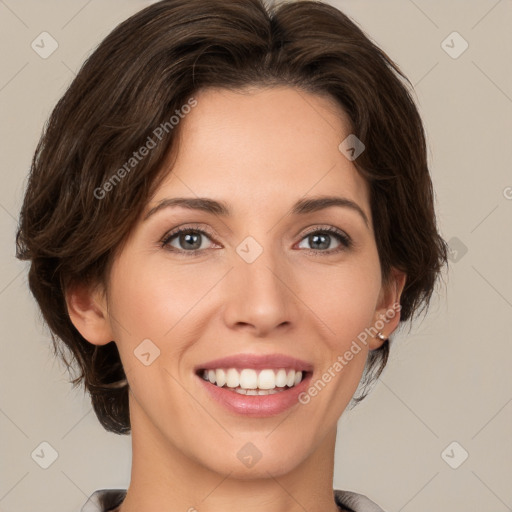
point(257, 291)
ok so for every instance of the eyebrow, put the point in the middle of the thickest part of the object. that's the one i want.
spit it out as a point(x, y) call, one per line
point(301, 207)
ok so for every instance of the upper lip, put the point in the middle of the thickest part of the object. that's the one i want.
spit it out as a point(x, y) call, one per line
point(257, 362)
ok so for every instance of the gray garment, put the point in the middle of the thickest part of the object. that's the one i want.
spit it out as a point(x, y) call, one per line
point(355, 502)
point(104, 500)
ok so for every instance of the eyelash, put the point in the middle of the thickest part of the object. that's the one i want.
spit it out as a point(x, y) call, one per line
point(343, 238)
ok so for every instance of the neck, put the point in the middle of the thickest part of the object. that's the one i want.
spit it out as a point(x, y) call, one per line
point(163, 477)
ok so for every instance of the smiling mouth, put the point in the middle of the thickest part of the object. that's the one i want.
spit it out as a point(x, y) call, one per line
point(248, 381)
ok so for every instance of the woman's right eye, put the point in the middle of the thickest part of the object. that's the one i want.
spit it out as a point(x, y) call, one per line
point(186, 240)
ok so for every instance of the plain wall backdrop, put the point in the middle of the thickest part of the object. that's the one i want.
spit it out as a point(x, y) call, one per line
point(447, 391)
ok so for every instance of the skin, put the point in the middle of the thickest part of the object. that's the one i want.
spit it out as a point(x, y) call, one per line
point(258, 150)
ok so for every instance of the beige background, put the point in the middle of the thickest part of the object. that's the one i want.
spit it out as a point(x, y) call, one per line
point(448, 380)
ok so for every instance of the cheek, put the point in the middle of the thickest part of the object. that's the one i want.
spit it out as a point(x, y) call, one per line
point(150, 298)
point(139, 309)
point(344, 297)
point(148, 302)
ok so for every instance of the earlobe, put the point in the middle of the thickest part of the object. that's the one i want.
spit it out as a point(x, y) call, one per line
point(387, 316)
point(87, 309)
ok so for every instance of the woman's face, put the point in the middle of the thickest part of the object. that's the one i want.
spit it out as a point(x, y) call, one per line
point(271, 280)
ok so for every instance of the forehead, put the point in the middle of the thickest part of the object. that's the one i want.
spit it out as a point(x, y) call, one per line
point(263, 146)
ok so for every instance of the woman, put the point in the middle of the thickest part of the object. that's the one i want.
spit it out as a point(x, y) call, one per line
point(228, 215)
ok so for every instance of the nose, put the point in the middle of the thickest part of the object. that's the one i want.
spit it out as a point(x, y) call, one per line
point(259, 296)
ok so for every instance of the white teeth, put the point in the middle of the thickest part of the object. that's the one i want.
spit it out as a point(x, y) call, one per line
point(251, 382)
point(220, 378)
point(281, 378)
point(267, 379)
point(232, 378)
point(260, 391)
point(248, 379)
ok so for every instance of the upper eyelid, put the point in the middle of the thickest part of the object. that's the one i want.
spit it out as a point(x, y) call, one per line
point(188, 227)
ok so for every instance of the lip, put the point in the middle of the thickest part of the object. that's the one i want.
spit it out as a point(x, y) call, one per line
point(257, 362)
point(256, 406)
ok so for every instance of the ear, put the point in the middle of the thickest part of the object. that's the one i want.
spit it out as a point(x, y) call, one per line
point(87, 309)
point(387, 314)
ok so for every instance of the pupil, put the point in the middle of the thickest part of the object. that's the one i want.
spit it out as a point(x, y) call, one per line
point(318, 238)
point(189, 239)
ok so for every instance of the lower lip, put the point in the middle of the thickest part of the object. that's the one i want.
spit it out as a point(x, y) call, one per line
point(260, 406)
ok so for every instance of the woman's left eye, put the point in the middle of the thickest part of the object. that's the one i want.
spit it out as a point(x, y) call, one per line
point(189, 240)
point(321, 240)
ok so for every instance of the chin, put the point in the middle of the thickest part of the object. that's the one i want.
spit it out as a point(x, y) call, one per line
point(256, 456)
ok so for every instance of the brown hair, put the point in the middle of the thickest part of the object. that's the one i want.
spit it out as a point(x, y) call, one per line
point(143, 73)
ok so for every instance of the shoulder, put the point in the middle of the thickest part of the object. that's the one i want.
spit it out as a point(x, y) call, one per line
point(355, 502)
point(104, 500)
